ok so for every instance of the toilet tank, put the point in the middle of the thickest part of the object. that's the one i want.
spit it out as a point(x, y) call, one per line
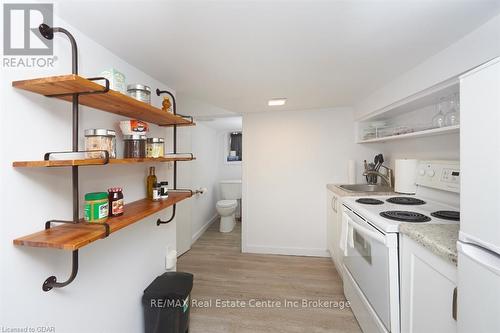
point(230, 189)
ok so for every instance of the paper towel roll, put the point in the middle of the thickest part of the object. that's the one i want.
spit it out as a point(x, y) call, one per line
point(405, 176)
point(351, 172)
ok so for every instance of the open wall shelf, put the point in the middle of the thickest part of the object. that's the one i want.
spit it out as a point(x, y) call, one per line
point(408, 118)
point(418, 134)
point(111, 101)
point(100, 161)
point(74, 236)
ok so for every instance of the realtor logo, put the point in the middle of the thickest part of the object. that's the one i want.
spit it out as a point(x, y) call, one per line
point(20, 32)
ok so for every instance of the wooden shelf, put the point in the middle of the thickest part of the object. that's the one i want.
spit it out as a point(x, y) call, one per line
point(99, 161)
point(73, 236)
point(111, 101)
point(429, 132)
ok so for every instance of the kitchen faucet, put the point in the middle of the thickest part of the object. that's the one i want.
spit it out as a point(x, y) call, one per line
point(386, 178)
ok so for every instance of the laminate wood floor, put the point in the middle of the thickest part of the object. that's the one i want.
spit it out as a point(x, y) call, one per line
point(228, 286)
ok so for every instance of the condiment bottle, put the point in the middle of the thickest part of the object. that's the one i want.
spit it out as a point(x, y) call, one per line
point(150, 181)
point(164, 190)
point(115, 197)
point(156, 192)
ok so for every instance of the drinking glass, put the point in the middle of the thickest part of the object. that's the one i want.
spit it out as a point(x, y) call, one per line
point(452, 117)
point(438, 119)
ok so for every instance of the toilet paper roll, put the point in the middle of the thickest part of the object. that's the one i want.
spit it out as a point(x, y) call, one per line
point(351, 172)
point(171, 261)
point(405, 173)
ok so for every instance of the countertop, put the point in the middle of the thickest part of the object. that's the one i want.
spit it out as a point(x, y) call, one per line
point(440, 239)
point(335, 188)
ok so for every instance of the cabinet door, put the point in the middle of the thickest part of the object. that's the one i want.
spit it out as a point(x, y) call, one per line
point(330, 217)
point(428, 290)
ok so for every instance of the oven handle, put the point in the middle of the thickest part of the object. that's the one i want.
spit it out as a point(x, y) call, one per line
point(367, 232)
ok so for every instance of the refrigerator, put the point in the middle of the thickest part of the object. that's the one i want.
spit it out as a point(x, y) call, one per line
point(479, 237)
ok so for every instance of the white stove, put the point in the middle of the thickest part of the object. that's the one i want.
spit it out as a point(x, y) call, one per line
point(370, 246)
point(371, 211)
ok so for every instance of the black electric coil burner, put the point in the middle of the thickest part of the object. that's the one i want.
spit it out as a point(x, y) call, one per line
point(451, 215)
point(369, 201)
point(406, 201)
point(404, 216)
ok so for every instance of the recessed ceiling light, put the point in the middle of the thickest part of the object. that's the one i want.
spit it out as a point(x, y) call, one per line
point(276, 102)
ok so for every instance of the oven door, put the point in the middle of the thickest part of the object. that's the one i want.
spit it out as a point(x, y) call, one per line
point(371, 258)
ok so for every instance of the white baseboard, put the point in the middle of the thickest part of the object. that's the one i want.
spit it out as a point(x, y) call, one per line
point(204, 228)
point(290, 251)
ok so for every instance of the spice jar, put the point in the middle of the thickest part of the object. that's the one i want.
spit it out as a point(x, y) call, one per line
point(156, 192)
point(164, 190)
point(100, 139)
point(115, 197)
point(96, 207)
point(139, 92)
point(155, 147)
point(134, 146)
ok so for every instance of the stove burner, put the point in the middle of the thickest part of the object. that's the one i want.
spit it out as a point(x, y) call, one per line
point(369, 201)
point(406, 201)
point(403, 216)
point(447, 215)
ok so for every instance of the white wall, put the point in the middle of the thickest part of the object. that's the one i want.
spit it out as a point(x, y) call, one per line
point(113, 272)
point(204, 174)
point(288, 160)
point(472, 50)
point(201, 140)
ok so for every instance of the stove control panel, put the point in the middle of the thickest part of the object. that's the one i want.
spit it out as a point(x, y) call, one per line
point(442, 175)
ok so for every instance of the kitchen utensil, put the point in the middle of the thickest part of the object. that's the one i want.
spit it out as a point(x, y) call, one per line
point(380, 161)
point(366, 169)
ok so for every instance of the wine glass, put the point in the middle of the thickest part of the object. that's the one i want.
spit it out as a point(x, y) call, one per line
point(438, 119)
point(452, 117)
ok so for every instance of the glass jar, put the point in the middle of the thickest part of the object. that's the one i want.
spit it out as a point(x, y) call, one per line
point(155, 147)
point(115, 197)
point(100, 139)
point(156, 192)
point(139, 92)
point(134, 146)
point(163, 190)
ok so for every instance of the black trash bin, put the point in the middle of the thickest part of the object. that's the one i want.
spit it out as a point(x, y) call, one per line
point(166, 303)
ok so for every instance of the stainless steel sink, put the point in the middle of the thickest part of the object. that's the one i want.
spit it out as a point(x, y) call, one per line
point(366, 188)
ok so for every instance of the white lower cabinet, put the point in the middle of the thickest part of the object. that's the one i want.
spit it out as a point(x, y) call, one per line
point(333, 226)
point(428, 290)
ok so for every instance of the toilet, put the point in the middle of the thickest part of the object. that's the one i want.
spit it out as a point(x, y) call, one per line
point(231, 193)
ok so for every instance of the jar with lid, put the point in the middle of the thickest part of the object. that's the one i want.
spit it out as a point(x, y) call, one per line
point(134, 146)
point(139, 92)
point(155, 147)
point(115, 197)
point(100, 139)
point(96, 207)
point(156, 192)
point(163, 190)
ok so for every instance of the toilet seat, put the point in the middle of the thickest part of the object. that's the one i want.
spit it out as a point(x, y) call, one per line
point(227, 203)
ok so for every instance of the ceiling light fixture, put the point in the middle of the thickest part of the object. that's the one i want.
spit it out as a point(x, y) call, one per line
point(276, 102)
